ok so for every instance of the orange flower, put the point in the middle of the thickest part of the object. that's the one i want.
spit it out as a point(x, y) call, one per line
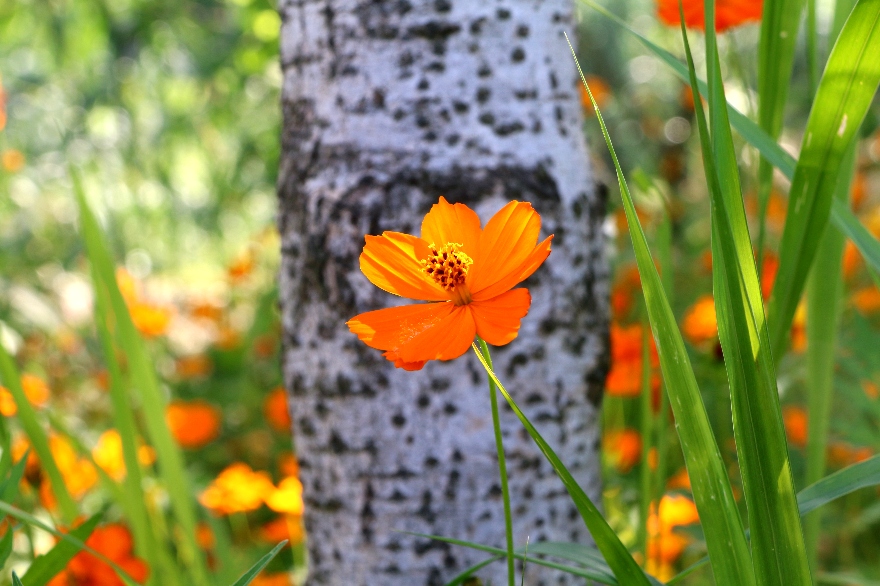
point(287, 464)
point(664, 545)
point(12, 160)
point(795, 420)
point(241, 266)
point(35, 389)
point(728, 13)
point(276, 579)
point(843, 454)
point(78, 473)
point(107, 454)
point(625, 377)
point(466, 271)
point(871, 390)
point(852, 260)
point(859, 190)
point(289, 527)
point(799, 328)
point(679, 480)
point(601, 93)
point(150, 320)
point(193, 424)
point(769, 268)
point(700, 323)
point(275, 410)
point(867, 300)
point(624, 448)
point(195, 366)
point(287, 498)
point(237, 489)
point(113, 541)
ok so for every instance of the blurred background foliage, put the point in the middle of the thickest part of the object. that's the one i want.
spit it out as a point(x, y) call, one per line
point(171, 113)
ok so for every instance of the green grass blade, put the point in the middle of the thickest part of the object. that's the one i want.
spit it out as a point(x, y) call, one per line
point(841, 483)
point(29, 519)
point(779, 28)
point(725, 539)
point(47, 566)
point(15, 580)
point(9, 486)
point(842, 218)
point(37, 436)
point(778, 552)
point(475, 568)
point(6, 546)
point(845, 92)
point(143, 379)
point(590, 572)
point(616, 555)
point(249, 576)
point(824, 295)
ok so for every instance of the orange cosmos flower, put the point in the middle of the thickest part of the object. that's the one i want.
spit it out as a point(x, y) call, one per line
point(237, 489)
point(624, 448)
point(799, 328)
point(700, 323)
point(468, 272)
point(275, 410)
point(601, 93)
point(115, 542)
point(274, 579)
point(289, 527)
point(193, 424)
point(867, 300)
point(35, 389)
point(728, 13)
point(107, 454)
point(852, 260)
point(287, 498)
point(795, 420)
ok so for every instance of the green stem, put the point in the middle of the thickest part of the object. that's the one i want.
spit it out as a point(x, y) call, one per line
point(502, 466)
point(824, 293)
point(812, 50)
point(645, 423)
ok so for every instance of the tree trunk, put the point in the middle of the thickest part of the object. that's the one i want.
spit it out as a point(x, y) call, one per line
point(389, 104)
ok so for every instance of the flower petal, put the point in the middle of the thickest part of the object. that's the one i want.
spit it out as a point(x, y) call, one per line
point(506, 242)
point(414, 334)
point(447, 223)
point(520, 274)
point(498, 318)
point(392, 262)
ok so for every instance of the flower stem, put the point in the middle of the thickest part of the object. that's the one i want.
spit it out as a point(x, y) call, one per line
point(502, 467)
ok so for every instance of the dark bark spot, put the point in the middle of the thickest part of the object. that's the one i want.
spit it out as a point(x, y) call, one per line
point(434, 30)
point(379, 98)
point(431, 462)
point(398, 420)
point(516, 361)
point(423, 84)
point(453, 139)
point(425, 511)
point(502, 13)
point(554, 83)
point(442, 5)
point(518, 55)
point(399, 114)
point(484, 71)
point(522, 31)
point(483, 94)
point(440, 384)
point(450, 409)
point(530, 94)
point(477, 26)
point(460, 107)
point(508, 128)
point(423, 400)
point(337, 444)
point(534, 398)
point(487, 118)
point(436, 66)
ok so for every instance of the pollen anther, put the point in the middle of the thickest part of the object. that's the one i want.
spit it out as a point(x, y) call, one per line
point(448, 267)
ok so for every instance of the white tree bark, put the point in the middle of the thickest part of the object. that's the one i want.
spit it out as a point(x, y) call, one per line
point(389, 104)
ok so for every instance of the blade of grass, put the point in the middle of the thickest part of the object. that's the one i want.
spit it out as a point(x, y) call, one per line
point(824, 295)
point(779, 29)
point(845, 92)
point(592, 573)
point(249, 576)
point(475, 568)
point(842, 218)
point(29, 519)
point(9, 487)
point(143, 378)
point(37, 436)
point(778, 551)
point(6, 545)
point(725, 539)
point(47, 566)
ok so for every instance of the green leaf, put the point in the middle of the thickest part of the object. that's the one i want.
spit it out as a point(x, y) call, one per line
point(15, 580)
point(840, 483)
point(46, 566)
point(37, 436)
point(31, 520)
point(475, 568)
point(248, 576)
point(841, 216)
point(143, 378)
point(9, 486)
point(778, 551)
point(6, 546)
point(725, 539)
point(618, 558)
point(845, 92)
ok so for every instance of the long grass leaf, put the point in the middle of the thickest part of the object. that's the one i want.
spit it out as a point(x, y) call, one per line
point(29, 519)
point(725, 539)
point(143, 378)
point(468, 572)
point(37, 436)
point(842, 218)
point(6, 546)
point(47, 566)
point(249, 576)
point(778, 551)
point(845, 92)
point(9, 486)
point(618, 558)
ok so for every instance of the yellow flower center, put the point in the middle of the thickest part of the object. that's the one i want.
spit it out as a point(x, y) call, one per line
point(448, 267)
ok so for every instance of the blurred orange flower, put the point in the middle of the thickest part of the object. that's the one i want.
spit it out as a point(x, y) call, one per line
point(665, 546)
point(624, 448)
point(728, 13)
point(35, 389)
point(108, 455)
point(241, 266)
point(859, 190)
point(113, 541)
point(799, 328)
point(769, 268)
point(287, 465)
point(601, 93)
point(465, 271)
point(150, 320)
point(195, 366)
point(287, 498)
point(193, 423)
point(700, 323)
point(289, 527)
point(867, 300)
point(871, 389)
point(625, 377)
point(12, 160)
point(78, 473)
point(852, 260)
point(275, 410)
point(679, 480)
point(237, 489)
point(843, 454)
point(795, 420)
point(275, 579)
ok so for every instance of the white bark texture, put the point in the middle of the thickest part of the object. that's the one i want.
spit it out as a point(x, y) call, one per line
point(389, 104)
